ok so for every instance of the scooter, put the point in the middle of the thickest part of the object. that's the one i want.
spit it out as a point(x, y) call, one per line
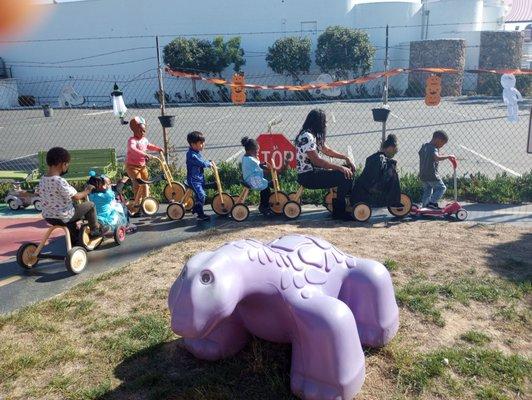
point(449, 210)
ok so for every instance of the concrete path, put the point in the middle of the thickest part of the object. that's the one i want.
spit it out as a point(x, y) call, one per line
point(19, 288)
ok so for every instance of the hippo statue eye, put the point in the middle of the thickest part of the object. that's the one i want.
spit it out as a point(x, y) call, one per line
point(207, 277)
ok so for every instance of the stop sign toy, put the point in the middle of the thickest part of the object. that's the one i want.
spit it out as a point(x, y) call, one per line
point(274, 148)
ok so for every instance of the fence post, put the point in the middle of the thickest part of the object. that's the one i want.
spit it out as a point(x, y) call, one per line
point(161, 96)
point(385, 89)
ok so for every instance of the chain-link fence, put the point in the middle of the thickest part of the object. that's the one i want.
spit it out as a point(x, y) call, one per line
point(480, 135)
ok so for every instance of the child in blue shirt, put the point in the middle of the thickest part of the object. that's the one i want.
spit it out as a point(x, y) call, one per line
point(109, 211)
point(253, 173)
point(195, 166)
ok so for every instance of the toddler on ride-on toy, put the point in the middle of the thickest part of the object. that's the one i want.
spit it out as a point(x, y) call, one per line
point(195, 177)
point(379, 176)
point(253, 173)
point(135, 163)
point(110, 212)
point(57, 195)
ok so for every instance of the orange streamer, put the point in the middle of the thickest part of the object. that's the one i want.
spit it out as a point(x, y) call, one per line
point(359, 80)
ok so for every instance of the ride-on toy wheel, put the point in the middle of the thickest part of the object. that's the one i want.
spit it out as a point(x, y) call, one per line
point(149, 206)
point(361, 212)
point(120, 234)
point(240, 212)
point(26, 256)
point(277, 205)
point(292, 210)
point(174, 191)
point(403, 211)
point(76, 259)
point(293, 197)
point(38, 205)
point(188, 202)
point(85, 239)
point(226, 207)
point(461, 215)
point(13, 205)
point(175, 211)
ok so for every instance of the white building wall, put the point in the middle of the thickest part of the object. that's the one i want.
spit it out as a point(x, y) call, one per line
point(133, 20)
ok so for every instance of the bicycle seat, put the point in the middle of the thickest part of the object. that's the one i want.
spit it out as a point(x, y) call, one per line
point(150, 181)
point(141, 181)
point(243, 183)
point(58, 222)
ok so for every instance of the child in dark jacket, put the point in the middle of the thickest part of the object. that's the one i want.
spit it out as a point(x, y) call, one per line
point(379, 176)
point(195, 167)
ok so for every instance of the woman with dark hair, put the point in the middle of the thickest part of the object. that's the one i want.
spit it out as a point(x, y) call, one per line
point(316, 173)
point(379, 177)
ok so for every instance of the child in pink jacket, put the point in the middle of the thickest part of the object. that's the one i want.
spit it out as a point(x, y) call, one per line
point(136, 156)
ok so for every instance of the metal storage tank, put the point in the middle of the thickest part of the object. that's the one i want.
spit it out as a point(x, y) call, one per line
point(493, 15)
point(402, 16)
point(451, 16)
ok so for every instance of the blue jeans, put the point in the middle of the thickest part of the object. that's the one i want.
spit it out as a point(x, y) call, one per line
point(433, 191)
point(199, 192)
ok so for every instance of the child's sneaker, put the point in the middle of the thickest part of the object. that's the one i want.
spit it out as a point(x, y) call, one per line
point(433, 206)
point(203, 217)
point(95, 233)
point(130, 228)
point(266, 211)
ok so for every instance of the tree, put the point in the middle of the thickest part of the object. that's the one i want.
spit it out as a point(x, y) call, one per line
point(227, 53)
point(203, 56)
point(197, 55)
point(342, 50)
point(192, 55)
point(290, 56)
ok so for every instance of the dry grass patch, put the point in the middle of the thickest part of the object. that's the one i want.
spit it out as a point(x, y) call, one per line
point(463, 289)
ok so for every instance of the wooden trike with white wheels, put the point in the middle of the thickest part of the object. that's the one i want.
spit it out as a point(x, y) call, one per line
point(240, 211)
point(362, 210)
point(222, 203)
point(173, 191)
point(280, 202)
point(29, 254)
point(176, 210)
point(117, 233)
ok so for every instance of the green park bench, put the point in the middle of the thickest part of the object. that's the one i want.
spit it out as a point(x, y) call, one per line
point(13, 176)
point(102, 161)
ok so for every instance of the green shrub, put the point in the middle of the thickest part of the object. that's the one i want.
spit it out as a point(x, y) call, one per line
point(478, 188)
point(4, 188)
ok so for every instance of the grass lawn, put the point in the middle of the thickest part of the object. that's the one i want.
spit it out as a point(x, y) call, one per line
point(464, 292)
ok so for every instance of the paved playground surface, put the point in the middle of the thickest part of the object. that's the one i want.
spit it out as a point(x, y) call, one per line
point(479, 133)
point(19, 288)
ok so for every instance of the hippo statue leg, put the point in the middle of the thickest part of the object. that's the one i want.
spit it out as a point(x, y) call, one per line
point(368, 292)
point(327, 358)
point(227, 339)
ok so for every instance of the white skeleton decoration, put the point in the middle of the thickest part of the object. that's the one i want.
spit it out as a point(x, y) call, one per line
point(511, 96)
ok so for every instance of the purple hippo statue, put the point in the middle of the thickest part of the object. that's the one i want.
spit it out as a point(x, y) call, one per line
point(296, 289)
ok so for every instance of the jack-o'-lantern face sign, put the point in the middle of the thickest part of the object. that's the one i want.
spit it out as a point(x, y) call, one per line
point(238, 93)
point(433, 91)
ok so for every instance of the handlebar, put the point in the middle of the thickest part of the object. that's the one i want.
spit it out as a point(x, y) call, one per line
point(454, 162)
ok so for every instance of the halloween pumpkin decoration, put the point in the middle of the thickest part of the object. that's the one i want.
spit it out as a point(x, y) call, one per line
point(238, 93)
point(433, 91)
